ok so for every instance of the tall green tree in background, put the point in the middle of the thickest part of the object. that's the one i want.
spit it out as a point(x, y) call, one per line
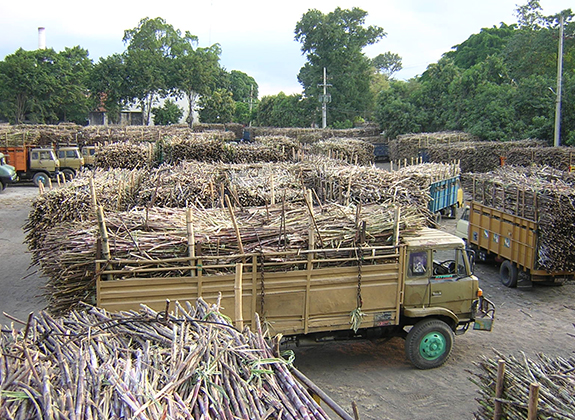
point(108, 88)
point(148, 59)
point(43, 86)
point(195, 71)
point(336, 41)
point(498, 84)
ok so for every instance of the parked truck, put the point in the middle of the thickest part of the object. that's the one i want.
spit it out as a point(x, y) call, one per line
point(89, 153)
point(446, 197)
point(422, 290)
point(511, 240)
point(71, 161)
point(38, 164)
point(7, 173)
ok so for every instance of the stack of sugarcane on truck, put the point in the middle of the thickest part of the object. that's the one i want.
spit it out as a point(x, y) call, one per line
point(415, 283)
point(444, 187)
point(523, 218)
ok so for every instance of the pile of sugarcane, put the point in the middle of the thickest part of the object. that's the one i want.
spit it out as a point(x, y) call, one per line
point(477, 156)
point(555, 376)
point(353, 151)
point(188, 364)
point(117, 190)
point(541, 194)
point(312, 135)
point(408, 146)
point(41, 135)
point(67, 254)
point(562, 158)
point(126, 155)
point(205, 185)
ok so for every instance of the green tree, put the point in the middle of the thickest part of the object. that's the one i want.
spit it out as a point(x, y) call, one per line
point(283, 110)
point(387, 63)
point(243, 87)
point(169, 113)
point(107, 84)
point(196, 71)
point(43, 86)
point(71, 69)
point(149, 61)
point(478, 47)
point(22, 83)
point(336, 41)
point(217, 107)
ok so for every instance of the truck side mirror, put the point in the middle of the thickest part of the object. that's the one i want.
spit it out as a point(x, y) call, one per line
point(471, 258)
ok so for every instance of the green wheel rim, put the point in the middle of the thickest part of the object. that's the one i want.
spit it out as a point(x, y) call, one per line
point(432, 346)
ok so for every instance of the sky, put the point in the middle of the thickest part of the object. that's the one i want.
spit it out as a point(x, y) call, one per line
point(257, 36)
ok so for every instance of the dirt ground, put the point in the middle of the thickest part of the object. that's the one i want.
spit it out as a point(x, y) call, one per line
point(376, 375)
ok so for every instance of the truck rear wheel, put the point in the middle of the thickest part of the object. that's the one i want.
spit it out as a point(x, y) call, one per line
point(429, 343)
point(2, 185)
point(508, 273)
point(69, 174)
point(40, 177)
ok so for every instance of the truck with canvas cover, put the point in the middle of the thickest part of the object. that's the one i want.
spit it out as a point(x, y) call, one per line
point(35, 163)
point(420, 288)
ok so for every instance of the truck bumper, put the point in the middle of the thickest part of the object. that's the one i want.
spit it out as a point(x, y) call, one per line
point(483, 314)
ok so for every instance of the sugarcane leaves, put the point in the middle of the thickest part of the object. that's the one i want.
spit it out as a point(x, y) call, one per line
point(256, 370)
point(356, 317)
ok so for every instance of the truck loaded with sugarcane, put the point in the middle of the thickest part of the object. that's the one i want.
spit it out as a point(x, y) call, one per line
point(416, 283)
point(524, 218)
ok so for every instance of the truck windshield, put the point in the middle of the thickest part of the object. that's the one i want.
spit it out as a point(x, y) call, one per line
point(449, 263)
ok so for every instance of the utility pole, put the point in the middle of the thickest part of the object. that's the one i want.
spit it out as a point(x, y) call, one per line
point(324, 99)
point(557, 137)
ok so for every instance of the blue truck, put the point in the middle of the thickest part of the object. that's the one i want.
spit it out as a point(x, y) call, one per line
point(446, 197)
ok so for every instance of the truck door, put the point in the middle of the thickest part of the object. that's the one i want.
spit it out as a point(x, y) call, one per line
point(451, 286)
point(419, 269)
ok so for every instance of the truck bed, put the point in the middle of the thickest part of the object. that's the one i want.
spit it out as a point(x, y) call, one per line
point(306, 292)
point(511, 237)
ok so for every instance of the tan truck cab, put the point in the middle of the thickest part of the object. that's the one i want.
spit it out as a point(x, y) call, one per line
point(88, 153)
point(71, 161)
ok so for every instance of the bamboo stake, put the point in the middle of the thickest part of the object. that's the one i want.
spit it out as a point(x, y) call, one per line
point(236, 228)
point(238, 299)
point(499, 389)
point(191, 240)
point(533, 401)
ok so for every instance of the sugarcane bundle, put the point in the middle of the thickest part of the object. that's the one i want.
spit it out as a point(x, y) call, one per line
point(312, 135)
point(187, 364)
point(409, 146)
point(67, 255)
point(354, 151)
point(125, 155)
point(116, 190)
point(555, 377)
point(541, 194)
point(197, 148)
point(477, 156)
point(562, 158)
point(286, 144)
point(202, 184)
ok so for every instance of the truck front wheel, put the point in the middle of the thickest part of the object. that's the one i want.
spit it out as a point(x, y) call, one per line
point(508, 273)
point(40, 177)
point(428, 344)
point(2, 185)
point(69, 174)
